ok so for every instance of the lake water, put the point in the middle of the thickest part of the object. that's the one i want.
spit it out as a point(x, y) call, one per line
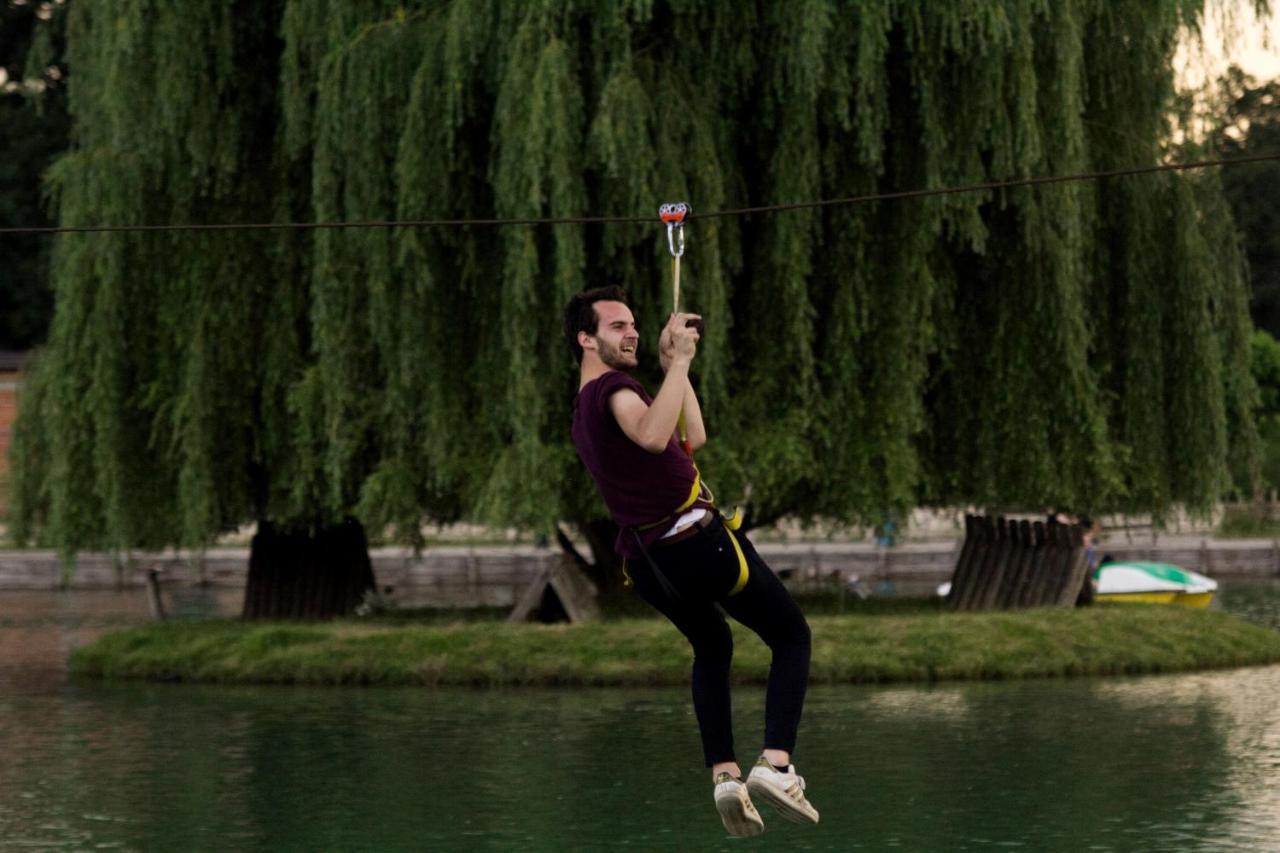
point(1177, 763)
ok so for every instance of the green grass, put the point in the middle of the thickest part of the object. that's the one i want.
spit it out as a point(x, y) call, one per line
point(925, 645)
point(1246, 521)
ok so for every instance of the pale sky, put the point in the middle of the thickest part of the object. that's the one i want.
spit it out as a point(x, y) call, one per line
point(1232, 33)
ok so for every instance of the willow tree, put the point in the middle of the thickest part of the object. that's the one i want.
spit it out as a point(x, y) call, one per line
point(1074, 344)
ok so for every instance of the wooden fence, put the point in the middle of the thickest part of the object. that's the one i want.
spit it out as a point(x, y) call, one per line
point(1006, 563)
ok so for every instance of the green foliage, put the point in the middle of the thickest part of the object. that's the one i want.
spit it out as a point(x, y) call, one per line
point(1253, 520)
point(1264, 364)
point(1247, 122)
point(1078, 345)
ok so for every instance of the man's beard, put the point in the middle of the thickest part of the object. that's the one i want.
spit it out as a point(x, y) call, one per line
point(615, 358)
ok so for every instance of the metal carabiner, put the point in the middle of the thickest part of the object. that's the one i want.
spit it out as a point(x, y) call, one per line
point(673, 213)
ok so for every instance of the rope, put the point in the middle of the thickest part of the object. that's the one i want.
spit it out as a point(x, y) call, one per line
point(673, 215)
point(646, 220)
point(675, 284)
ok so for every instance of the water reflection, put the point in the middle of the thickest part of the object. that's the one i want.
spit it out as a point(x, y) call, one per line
point(1139, 764)
point(1043, 764)
point(1152, 763)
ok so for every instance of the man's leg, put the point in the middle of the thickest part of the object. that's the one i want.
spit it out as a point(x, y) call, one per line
point(707, 632)
point(765, 606)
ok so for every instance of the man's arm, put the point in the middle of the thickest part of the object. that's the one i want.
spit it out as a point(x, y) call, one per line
point(694, 426)
point(652, 426)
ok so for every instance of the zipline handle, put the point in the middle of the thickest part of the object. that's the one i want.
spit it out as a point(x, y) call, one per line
point(673, 214)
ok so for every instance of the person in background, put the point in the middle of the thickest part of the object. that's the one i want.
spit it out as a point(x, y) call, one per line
point(1090, 530)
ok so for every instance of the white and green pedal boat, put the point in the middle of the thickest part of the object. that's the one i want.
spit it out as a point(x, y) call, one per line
point(1157, 583)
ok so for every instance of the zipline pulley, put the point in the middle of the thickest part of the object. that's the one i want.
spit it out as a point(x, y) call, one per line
point(673, 214)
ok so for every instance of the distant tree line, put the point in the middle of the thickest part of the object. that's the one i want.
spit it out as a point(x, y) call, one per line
point(1081, 345)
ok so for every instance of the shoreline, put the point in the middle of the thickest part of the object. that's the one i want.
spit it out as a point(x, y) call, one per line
point(459, 576)
point(925, 646)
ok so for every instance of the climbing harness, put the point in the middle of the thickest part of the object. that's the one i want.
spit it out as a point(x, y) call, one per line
point(730, 525)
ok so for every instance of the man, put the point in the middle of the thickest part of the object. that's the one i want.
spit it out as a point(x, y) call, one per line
point(680, 555)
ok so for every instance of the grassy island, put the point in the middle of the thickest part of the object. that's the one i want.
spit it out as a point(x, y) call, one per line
point(899, 644)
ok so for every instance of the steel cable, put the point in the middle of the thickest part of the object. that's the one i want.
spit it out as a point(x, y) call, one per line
point(647, 220)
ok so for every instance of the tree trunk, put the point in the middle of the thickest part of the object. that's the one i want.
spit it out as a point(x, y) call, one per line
point(313, 573)
point(606, 572)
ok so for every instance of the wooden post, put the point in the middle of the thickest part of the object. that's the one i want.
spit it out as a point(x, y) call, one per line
point(1061, 566)
point(1051, 566)
point(1077, 568)
point(982, 572)
point(999, 565)
point(1040, 556)
point(154, 601)
point(1020, 544)
point(563, 578)
point(963, 573)
point(977, 563)
point(987, 554)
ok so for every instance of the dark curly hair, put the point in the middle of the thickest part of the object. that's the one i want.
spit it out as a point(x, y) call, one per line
point(580, 314)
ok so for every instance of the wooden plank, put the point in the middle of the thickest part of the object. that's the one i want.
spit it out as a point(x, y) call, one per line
point(1001, 554)
point(1021, 543)
point(1077, 569)
point(1047, 568)
point(982, 545)
point(1059, 565)
point(987, 556)
point(575, 591)
point(1036, 570)
point(963, 573)
point(531, 598)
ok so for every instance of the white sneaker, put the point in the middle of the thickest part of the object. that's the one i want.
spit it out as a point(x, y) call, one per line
point(783, 791)
point(736, 810)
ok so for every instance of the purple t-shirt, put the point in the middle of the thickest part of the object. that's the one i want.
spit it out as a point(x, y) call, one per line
point(638, 487)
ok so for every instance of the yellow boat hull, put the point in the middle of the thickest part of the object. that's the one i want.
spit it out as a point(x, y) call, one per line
point(1186, 599)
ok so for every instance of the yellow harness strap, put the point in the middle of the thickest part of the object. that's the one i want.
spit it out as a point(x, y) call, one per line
point(688, 502)
point(743, 574)
point(693, 492)
point(731, 524)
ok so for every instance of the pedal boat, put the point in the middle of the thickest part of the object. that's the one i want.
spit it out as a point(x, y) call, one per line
point(1156, 583)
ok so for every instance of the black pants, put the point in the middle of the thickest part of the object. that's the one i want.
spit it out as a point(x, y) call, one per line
point(701, 571)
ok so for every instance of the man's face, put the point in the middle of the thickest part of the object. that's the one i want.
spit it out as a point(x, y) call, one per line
point(615, 338)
